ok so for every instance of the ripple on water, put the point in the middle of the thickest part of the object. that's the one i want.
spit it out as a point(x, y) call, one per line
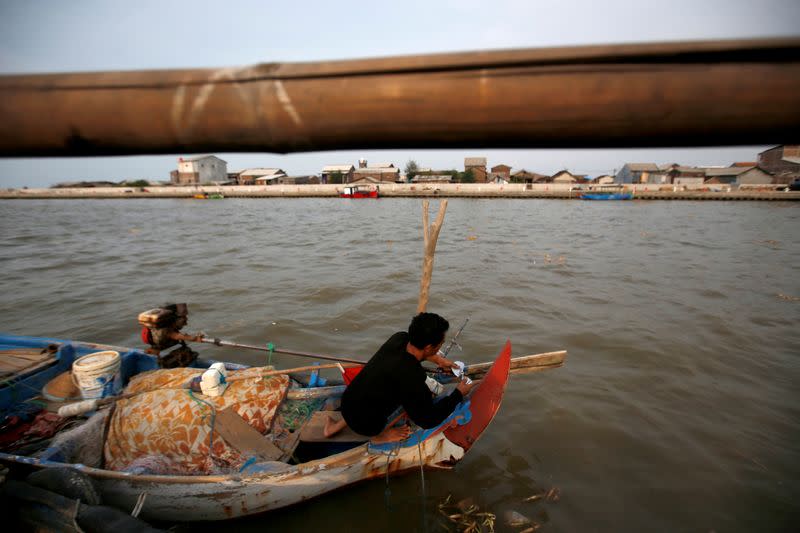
point(670, 369)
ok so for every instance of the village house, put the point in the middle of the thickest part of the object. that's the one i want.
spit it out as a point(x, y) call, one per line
point(603, 179)
point(523, 176)
point(432, 178)
point(726, 175)
point(782, 161)
point(478, 167)
point(640, 173)
point(381, 172)
point(565, 176)
point(251, 176)
point(283, 179)
point(330, 173)
point(201, 169)
point(501, 174)
point(679, 175)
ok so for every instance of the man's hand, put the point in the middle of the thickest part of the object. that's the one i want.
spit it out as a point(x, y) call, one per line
point(463, 387)
point(441, 362)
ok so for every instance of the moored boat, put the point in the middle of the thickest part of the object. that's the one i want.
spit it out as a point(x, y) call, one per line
point(274, 484)
point(606, 192)
point(606, 196)
point(359, 191)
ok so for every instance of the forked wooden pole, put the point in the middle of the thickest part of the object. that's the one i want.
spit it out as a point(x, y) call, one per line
point(431, 235)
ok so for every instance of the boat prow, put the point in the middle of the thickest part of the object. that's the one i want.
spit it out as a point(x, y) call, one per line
point(484, 402)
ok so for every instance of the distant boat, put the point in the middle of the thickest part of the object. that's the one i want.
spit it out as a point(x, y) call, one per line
point(606, 192)
point(359, 191)
point(209, 196)
point(606, 196)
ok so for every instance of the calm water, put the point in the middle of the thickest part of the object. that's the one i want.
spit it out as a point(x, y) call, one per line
point(678, 408)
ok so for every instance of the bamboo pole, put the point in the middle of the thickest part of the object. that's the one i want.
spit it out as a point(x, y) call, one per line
point(661, 94)
point(430, 235)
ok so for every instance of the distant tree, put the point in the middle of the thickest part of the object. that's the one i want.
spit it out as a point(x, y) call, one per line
point(466, 177)
point(412, 169)
point(136, 183)
point(336, 177)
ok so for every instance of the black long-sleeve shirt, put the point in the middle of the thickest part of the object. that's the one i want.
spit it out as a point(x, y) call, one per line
point(393, 378)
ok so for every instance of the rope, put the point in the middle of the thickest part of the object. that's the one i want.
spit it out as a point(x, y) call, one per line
point(393, 452)
point(422, 481)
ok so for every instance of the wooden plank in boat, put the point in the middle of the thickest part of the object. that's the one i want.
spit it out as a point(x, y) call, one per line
point(9, 368)
point(242, 436)
point(33, 354)
point(17, 360)
point(290, 444)
point(314, 430)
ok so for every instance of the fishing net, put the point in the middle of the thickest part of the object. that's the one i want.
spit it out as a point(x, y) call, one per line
point(174, 427)
point(82, 444)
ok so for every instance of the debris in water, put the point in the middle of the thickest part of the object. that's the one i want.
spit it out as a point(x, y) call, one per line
point(472, 237)
point(466, 503)
point(535, 497)
point(515, 519)
point(788, 298)
point(466, 517)
point(552, 495)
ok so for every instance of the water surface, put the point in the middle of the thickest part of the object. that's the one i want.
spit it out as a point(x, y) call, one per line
point(678, 408)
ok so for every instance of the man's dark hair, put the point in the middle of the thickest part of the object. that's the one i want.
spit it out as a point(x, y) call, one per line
point(427, 328)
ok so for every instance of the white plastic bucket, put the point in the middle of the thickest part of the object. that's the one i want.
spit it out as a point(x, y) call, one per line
point(97, 374)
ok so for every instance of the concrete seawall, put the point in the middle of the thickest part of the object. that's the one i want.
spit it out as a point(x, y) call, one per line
point(404, 190)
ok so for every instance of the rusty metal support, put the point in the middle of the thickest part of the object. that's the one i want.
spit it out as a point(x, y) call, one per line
point(672, 94)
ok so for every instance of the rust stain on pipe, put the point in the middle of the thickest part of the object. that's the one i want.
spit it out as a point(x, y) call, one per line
point(673, 94)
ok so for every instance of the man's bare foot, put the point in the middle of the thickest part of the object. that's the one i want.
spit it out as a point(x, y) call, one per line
point(332, 427)
point(393, 434)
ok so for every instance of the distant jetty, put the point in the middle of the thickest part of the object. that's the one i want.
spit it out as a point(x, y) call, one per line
point(407, 190)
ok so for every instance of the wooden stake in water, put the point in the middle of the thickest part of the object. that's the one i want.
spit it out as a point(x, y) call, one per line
point(431, 235)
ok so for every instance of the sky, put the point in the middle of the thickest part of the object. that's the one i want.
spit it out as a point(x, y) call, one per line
point(38, 36)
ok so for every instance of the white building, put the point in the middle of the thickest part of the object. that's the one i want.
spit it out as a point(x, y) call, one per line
point(201, 169)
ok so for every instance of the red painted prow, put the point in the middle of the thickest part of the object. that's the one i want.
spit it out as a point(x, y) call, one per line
point(484, 402)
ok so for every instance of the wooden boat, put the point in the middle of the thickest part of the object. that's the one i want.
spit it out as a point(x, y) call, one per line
point(359, 191)
point(607, 192)
point(219, 497)
point(606, 196)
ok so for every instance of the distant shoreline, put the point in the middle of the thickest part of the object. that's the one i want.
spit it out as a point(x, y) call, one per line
point(405, 190)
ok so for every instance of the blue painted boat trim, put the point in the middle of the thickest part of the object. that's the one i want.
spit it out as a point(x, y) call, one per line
point(606, 196)
point(26, 386)
point(461, 414)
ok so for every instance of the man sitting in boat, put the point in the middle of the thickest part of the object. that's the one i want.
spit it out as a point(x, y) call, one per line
point(394, 378)
point(161, 330)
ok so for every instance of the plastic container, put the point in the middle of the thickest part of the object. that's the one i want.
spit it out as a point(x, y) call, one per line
point(212, 382)
point(97, 374)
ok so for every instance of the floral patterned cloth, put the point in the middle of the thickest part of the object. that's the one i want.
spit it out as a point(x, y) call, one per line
point(169, 421)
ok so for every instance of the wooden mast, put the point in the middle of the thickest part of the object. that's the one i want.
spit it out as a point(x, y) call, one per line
point(430, 235)
point(667, 94)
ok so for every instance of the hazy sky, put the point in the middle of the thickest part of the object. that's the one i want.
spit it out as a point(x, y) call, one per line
point(81, 35)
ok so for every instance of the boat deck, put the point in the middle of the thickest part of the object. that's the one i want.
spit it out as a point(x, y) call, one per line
point(19, 361)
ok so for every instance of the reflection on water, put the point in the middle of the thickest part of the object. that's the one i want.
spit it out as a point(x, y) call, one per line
point(678, 407)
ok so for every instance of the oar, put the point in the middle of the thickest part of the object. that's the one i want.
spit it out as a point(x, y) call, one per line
point(219, 342)
point(525, 363)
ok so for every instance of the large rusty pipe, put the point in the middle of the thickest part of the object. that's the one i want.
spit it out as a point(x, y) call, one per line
point(671, 94)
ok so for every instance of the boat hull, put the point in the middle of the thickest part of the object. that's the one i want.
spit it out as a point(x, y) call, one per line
point(221, 497)
point(369, 194)
point(606, 196)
